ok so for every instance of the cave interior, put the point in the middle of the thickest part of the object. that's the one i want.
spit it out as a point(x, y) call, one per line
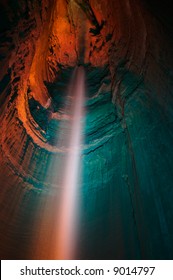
point(125, 176)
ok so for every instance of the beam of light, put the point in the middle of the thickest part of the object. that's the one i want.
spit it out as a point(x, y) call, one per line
point(67, 230)
point(57, 220)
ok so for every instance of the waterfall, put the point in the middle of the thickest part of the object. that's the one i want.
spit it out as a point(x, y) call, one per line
point(68, 208)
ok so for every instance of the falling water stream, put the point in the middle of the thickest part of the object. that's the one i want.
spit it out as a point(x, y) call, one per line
point(67, 231)
point(57, 222)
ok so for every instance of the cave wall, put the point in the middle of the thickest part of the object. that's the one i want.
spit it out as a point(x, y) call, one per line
point(126, 190)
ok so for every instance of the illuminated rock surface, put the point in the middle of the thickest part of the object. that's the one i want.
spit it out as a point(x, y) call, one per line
point(126, 192)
